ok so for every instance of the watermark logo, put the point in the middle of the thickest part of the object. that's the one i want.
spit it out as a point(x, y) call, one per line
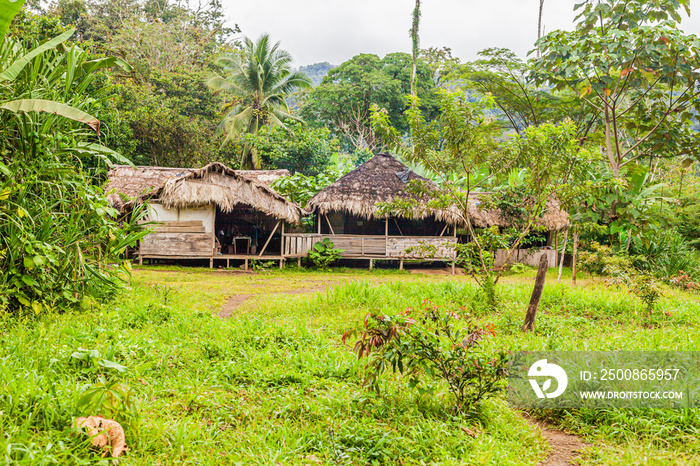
point(543, 369)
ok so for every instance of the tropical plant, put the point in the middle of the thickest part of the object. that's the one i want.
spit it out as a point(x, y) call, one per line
point(324, 253)
point(300, 188)
point(436, 343)
point(295, 146)
point(57, 230)
point(257, 84)
point(633, 66)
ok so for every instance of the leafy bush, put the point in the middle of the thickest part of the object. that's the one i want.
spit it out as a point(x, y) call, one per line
point(435, 343)
point(643, 285)
point(60, 240)
point(599, 260)
point(324, 253)
point(300, 188)
point(666, 254)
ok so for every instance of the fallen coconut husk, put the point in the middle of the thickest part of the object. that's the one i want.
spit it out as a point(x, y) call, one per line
point(104, 433)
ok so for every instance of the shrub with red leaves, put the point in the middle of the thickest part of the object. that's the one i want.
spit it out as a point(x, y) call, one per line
point(435, 343)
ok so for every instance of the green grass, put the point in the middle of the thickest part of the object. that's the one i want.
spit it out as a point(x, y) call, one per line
point(275, 384)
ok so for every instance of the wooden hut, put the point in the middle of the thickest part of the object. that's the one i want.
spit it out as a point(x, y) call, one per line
point(347, 213)
point(213, 213)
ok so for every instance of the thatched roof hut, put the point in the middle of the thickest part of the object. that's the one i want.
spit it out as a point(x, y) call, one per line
point(384, 179)
point(380, 179)
point(128, 183)
point(217, 184)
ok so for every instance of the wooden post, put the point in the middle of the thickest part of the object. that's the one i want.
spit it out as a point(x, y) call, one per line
point(529, 324)
point(386, 237)
point(444, 230)
point(330, 227)
point(140, 260)
point(299, 261)
point(454, 230)
point(371, 264)
point(211, 262)
point(282, 245)
point(563, 254)
point(453, 267)
point(318, 220)
point(281, 263)
point(573, 265)
point(269, 238)
point(246, 263)
point(228, 263)
point(401, 264)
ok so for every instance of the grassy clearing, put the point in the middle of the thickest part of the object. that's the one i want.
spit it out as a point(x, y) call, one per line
point(275, 384)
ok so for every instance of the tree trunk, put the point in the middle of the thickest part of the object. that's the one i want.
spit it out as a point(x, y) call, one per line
point(539, 26)
point(629, 241)
point(563, 254)
point(573, 268)
point(415, 46)
point(529, 324)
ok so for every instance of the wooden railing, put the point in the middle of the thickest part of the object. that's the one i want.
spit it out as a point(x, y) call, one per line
point(355, 246)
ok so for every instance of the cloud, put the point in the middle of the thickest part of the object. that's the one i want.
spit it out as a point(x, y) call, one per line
point(336, 30)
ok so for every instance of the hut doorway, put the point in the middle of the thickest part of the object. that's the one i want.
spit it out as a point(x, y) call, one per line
point(245, 231)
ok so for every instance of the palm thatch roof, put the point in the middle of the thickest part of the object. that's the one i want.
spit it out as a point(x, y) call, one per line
point(128, 183)
point(554, 217)
point(220, 185)
point(381, 179)
point(384, 179)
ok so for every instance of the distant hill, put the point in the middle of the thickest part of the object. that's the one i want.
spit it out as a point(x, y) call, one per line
point(317, 71)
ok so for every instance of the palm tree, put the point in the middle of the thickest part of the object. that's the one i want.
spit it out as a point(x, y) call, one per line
point(257, 83)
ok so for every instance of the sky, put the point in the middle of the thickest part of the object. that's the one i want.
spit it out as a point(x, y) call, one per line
point(336, 30)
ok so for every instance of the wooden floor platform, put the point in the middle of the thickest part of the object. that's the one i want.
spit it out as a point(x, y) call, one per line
point(246, 258)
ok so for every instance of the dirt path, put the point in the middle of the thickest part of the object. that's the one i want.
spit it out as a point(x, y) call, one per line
point(236, 300)
point(565, 447)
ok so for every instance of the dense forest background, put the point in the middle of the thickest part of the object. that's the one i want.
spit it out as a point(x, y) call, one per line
point(157, 109)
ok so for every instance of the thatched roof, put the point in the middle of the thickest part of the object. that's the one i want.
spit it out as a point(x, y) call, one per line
point(220, 185)
point(127, 183)
point(554, 218)
point(381, 179)
point(384, 179)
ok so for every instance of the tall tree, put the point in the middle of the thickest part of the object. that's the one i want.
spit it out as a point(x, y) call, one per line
point(415, 39)
point(539, 25)
point(630, 63)
point(342, 102)
point(257, 84)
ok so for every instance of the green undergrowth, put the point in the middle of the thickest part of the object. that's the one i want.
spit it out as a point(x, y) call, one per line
point(275, 383)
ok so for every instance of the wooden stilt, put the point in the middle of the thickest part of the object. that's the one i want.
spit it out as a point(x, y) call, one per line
point(281, 264)
point(228, 263)
point(453, 267)
point(211, 263)
point(371, 264)
point(140, 260)
point(246, 263)
point(401, 264)
point(299, 261)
